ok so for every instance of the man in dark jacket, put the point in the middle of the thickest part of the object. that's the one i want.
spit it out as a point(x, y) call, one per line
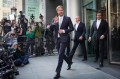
point(62, 26)
point(79, 38)
point(21, 58)
point(99, 33)
point(7, 27)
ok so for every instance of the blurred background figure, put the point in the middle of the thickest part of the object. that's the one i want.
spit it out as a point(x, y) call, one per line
point(6, 26)
point(30, 39)
point(1, 29)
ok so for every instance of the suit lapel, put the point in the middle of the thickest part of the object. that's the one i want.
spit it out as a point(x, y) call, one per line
point(74, 27)
point(95, 24)
point(79, 26)
point(100, 24)
point(63, 21)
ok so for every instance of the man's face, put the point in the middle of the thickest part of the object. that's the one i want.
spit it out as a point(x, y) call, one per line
point(77, 19)
point(60, 11)
point(99, 15)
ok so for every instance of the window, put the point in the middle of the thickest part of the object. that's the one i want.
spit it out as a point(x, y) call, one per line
point(115, 31)
point(7, 3)
point(6, 15)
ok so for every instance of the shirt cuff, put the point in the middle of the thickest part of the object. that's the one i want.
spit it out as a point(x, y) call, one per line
point(63, 31)
point(53, 24)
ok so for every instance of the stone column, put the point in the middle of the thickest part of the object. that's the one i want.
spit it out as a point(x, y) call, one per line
point(73, 10)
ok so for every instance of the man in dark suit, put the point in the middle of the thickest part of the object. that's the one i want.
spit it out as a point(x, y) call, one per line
point(68, 47)
point(79, 38)
point(62, 26)
point(98, 34)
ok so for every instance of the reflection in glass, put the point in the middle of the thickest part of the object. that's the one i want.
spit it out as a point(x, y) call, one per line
point(115, 30)
point(90, 16)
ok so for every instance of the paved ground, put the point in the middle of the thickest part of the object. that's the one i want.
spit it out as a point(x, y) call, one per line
point(44, 68)
point(111, 69)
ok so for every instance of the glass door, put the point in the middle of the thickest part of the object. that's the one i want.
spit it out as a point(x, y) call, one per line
point(114, 31)
point(90, 16)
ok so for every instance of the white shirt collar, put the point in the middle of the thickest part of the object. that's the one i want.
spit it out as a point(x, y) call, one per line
point(61, 16)
point(98, 23)
point(76, 26)
point(78, 22)
point(98, 19)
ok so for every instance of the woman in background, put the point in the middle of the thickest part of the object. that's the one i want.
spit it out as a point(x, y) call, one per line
point(30, 35)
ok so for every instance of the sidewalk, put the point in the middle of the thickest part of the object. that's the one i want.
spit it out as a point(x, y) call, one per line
point(44, 68)
point(111, 69)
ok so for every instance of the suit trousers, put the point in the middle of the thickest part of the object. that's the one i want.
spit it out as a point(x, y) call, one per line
point(76, 43)
point(68, 48)
point(62, 56)
point(99, 49)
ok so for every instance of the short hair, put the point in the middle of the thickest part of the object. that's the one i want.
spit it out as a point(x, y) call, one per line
point(12, 32)
point(20, 12)
point(29, 27)
point(41, 15)
point(99, 12)
point(59, 6)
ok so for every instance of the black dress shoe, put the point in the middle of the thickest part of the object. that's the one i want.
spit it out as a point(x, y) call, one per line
point(84, 59)
point(69, 66)
point(57, 76)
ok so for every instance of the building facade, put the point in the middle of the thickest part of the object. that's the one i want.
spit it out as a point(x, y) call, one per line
point(6, 5)
point(86, 9)
point(51, 9)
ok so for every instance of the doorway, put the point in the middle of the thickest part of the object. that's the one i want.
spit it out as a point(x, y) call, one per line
point(89, 18)
point(114, 31)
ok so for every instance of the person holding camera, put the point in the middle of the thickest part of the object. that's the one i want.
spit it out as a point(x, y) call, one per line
point(10, 38)
point(20, 36)
point(6, 26)
point(20, 57)
point(21, 18)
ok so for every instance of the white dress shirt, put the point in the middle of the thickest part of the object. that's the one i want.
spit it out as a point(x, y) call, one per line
point(60, 23)
point(76, 25)
point(98, 23)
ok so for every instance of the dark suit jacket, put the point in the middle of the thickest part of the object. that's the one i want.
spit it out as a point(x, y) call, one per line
point(81, 30)
point(66, 25)
point(102, 30)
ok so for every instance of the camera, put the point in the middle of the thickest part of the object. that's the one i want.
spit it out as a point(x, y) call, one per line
point(7, 67)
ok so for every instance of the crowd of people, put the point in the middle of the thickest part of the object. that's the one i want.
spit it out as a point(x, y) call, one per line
point(62, 26)
point(23, 36)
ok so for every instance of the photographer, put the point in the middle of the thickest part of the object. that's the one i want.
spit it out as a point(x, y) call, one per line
point(21, 18)
point(6, 26)
point(25, 26)
point(20, 36)
point(9, 39)
point(21, 58)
